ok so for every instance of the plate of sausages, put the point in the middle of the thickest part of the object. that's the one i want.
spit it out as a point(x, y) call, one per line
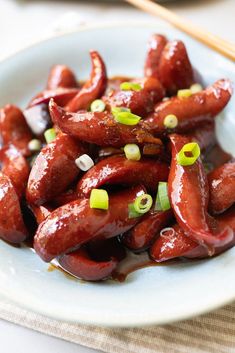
point(117, 182)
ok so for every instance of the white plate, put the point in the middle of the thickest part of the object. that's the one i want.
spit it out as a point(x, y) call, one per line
point(149, 296)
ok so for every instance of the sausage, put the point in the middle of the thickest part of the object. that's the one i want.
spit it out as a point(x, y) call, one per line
point(93, 88)
point(14, 129)
point(54, 169)
point(61, 76)
point(12, 228)
point(119, 170)
point(192, 111)
point(156, 45)
point(75, 223)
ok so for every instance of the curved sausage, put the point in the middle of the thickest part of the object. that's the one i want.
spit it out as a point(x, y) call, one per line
point(156, 45)
point(119, 170)
point(79, 264)
point(61, 76)
point(95, 261)
point(15, 166)
point(99, 128)
point(54, 169)
point(76, 223)
point(175, 70)
point(12, 228)
point(192, 111)
point(175, 243)
point(41, 212)
point(139, 102)
point(93, 88)
point(61, 96)
point(189, 197)
point(222, 188)
point(14, 129)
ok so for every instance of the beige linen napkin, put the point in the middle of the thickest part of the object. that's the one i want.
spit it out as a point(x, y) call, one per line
point(214, 332)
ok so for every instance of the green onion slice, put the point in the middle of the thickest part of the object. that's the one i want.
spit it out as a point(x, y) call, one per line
point(184, 93)
point(132, 152)
point(50, 135)
point(189, 154)
point(116, 110)
point(143, 203)
point(35, 145)
point(170, 121)
point(99, 199)
point(126, 118)
point(130, 86)
point(162, 201)
point(97, 106)
point(132, 211)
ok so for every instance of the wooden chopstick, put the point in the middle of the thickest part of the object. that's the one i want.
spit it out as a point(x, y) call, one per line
point(218, 44)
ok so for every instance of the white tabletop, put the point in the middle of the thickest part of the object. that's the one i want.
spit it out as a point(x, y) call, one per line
point(21, 22)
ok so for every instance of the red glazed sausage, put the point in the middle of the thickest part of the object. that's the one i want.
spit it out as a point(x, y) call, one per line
point(189, 196)
point(93, 88)
point(61, 96)
point(54, 169)
point(14, 129)
point(175, 70)
point(193, 111)
point(119, 170)
point(76, 223)
point(156, 45)
point(139, 102)
point(175, 243)
point(143, 234)
point(12, 228)
point(79, 264)
point(41, 212)
point(95, 261)
point(15, 166)
point(61, 76)
point(99, 128)
point(222, 188)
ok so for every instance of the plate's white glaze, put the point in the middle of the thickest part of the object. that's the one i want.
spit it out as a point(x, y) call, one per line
point(149, 296)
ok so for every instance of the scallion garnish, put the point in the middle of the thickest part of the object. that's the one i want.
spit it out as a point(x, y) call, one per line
point(132, 152)
point(189, 154)
point(130, 86)
point(162, 201)
point(184, 93)
point(97, 106)
point(143, 203)
point(35, 145)
point(50, 135)
point(132, 211)
point(99, 199)
point(195, 88)
point(84, 162)
point(125, 117)
point(170, 121)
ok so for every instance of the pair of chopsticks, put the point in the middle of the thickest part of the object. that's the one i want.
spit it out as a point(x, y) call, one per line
point(218, 44)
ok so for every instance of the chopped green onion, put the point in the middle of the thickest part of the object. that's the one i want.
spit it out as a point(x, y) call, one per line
point(84, 162)
point(184, 93)
point(132, 211)
point(50, 135)
point(162, 201)
point(143, 203)
point(99, 199)
point(126, 118)
point(170, 121)
point(195, 88)
point(116, 110)
point(132, 152)
point(97, 106)
point(130, 86)
point(189, 154)
point(35, 145)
